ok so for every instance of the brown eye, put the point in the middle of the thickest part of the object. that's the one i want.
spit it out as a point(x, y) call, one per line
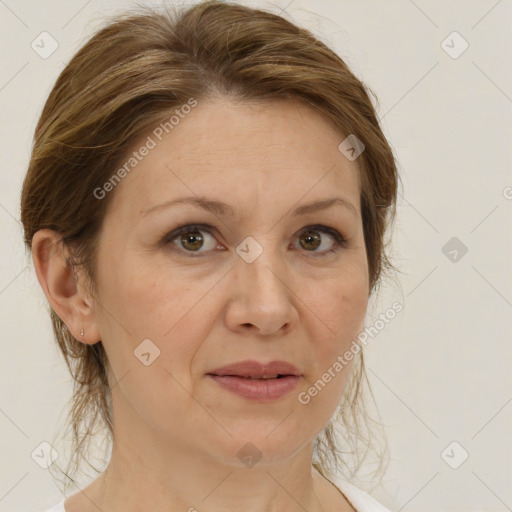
point(197, 240)
point(310, 240)
point(313, 237)
point(192, 240)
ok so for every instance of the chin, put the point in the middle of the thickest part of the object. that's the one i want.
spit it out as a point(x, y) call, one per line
point(265, 446)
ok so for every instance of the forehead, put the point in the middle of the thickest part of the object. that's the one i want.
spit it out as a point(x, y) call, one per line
point(276, 149)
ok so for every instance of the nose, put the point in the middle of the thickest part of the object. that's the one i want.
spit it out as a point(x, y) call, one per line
point(262, 298)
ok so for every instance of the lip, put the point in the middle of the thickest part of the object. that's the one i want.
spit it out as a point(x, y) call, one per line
point(250, 379)
point(257, 370)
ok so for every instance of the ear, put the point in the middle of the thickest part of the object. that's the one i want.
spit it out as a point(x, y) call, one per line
point(66, 295)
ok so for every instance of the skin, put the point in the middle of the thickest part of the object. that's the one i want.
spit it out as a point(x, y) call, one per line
point(177, 432)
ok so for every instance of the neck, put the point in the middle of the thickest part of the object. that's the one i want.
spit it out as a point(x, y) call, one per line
point(178, 479)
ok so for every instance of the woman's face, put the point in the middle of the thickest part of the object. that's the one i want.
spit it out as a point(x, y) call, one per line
point(242, 282)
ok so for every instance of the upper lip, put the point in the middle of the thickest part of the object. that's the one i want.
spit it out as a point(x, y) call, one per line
point(257, 369)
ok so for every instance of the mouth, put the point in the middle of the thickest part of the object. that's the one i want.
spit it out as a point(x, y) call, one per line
point(258, 370)
point(258, 381)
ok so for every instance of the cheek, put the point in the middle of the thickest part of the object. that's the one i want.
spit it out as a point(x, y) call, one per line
point(147, 299)
point(147, 302)
point(338, 313)
point(144, 304)
point(339, 304)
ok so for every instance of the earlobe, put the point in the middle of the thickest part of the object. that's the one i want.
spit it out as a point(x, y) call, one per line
point(59, 284)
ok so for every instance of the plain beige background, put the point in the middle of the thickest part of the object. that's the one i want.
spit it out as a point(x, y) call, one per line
point(441, 369)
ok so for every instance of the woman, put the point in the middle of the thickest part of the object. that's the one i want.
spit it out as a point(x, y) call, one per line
point(206, 205)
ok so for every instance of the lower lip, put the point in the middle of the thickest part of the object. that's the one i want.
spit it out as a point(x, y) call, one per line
point(258, 389)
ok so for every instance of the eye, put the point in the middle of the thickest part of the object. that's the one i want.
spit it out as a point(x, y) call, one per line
point(310, 240)
point(191, 238)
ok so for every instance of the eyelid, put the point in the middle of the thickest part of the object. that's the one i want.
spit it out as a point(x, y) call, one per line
point(339, 240)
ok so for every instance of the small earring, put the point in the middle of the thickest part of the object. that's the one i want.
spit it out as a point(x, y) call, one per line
point(82, 332)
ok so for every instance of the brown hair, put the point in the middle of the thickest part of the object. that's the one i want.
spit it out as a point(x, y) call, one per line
point(134, 73)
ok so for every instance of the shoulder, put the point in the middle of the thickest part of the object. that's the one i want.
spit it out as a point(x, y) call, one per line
point(58, 508)
point(358, 498)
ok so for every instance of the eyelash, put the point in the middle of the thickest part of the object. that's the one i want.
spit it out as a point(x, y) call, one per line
point(340, 241)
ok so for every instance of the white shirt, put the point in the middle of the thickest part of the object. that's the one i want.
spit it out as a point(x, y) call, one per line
point(359, 499)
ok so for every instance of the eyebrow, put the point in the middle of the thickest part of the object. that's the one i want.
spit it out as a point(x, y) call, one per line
point(224, 209)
